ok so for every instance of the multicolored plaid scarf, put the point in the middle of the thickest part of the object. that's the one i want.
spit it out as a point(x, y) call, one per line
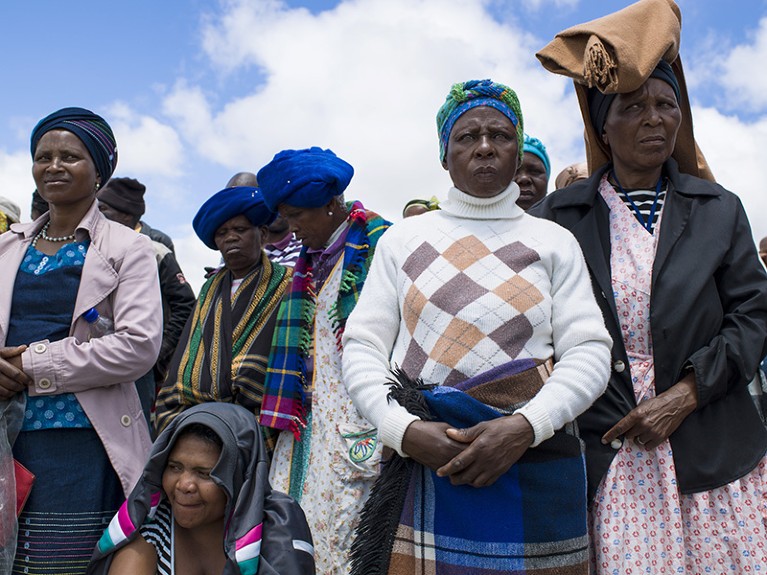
point(531, 521)
point(222, 354)
point(284, 405)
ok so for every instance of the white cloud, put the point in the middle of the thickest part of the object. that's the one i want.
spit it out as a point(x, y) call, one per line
point(145, 145)
point(16, 181)
point(737, 160)
point(364, 79)
point(741, 72)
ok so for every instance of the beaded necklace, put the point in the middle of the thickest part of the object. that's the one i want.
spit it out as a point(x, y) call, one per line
point(42, 234)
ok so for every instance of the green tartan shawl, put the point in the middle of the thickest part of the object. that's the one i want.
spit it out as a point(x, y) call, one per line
point(284, 406)
point(223, 350)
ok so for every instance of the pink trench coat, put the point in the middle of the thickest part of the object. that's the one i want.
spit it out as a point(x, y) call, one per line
point(119, 279)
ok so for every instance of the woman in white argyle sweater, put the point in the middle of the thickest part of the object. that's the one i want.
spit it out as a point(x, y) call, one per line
point(480, 298)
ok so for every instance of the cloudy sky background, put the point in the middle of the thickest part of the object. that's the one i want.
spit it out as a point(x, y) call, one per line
point(197, 90)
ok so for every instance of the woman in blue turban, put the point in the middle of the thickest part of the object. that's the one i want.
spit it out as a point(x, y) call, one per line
point(83, 434)
point(223, 350)
point(327, 455)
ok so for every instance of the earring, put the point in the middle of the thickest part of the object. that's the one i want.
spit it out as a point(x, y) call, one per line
point(98, 185)
point(330, 213)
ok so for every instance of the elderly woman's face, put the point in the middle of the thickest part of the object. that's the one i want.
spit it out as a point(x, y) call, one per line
point(312, 226)
point(239, 242)
point(482, 152)
point(532, 180)
point(641, 127)
point(63, 169)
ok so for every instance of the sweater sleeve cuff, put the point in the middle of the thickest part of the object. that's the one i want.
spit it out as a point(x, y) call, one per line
point(539, 420)
point(393, 428)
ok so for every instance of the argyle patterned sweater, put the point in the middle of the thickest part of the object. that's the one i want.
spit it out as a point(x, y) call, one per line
point(459, 291)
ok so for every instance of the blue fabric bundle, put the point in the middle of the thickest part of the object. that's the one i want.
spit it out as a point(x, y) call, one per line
point(307, 178)
point(227, 204)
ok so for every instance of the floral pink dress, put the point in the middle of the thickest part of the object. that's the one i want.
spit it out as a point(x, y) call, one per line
point(640, 522)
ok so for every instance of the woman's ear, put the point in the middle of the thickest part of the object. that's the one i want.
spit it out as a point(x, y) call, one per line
point(444, 163)
point(604, 139)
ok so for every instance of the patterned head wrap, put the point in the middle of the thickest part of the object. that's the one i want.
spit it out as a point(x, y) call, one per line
point(91, 128)
point(599, 103)
point(307, 178)
point(535, 146)
point(227, 204)
point(467, 95)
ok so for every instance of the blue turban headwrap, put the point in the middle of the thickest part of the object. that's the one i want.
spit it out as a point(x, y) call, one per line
point(307, 178)
point(91, 128)
point(227, 204)
point(599, 103)
point(467, 95)
point(535, 146)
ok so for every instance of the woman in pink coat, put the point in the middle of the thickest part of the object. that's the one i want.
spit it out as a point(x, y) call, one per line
point(82, 432)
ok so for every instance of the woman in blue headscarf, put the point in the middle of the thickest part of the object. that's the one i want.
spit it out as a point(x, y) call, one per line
point(327, 454)
point(82, 432)
point(223, 351)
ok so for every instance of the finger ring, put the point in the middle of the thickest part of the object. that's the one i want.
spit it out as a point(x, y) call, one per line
point(639, 441)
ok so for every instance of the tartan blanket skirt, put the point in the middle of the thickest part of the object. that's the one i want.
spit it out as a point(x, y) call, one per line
point(533, 520)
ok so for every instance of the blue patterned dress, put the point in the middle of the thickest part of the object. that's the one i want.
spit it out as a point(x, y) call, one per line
point(76, 492)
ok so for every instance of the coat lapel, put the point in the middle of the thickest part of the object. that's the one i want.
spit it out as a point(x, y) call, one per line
point(592, 233)
point(676, 214)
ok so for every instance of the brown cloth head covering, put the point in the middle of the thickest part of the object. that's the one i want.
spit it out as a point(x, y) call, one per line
point(616, 54)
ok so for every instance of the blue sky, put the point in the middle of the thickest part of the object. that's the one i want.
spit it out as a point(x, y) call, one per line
point(197, 90)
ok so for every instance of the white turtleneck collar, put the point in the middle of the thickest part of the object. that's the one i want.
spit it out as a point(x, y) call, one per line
point(498, 207)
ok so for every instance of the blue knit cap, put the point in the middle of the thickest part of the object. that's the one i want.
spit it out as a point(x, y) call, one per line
point(307, 178)
point(535, 146)
point(464, 96)
point(227, 204)
point(93, 131)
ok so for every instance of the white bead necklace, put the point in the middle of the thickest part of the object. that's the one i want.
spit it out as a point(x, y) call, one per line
point(42, 234)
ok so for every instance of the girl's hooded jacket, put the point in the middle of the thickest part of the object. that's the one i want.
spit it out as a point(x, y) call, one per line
point(266, 531)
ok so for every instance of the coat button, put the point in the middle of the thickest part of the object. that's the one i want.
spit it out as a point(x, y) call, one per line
point(44, 383)
point(125, 420)
point(616, 443)
point(40, 348)
point(619, 366)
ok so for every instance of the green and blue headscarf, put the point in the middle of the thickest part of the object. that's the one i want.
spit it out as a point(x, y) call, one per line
point(464, 96)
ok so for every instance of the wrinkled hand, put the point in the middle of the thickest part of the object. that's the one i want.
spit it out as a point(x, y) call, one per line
point(12, 377)
point(494, 446)
point(652, 422)
point(429, 445)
